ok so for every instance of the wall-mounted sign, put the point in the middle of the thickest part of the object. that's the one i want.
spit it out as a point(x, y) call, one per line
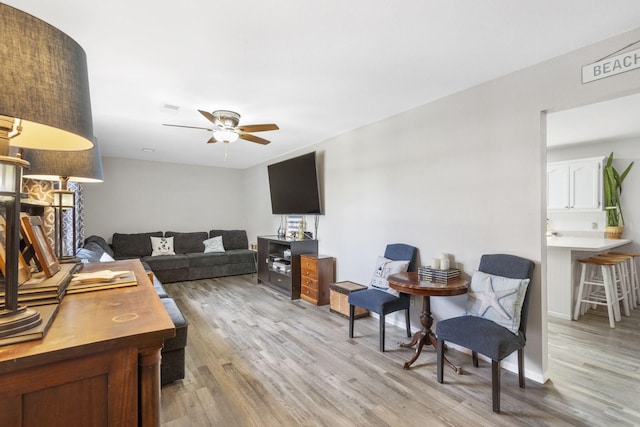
point(611, 66)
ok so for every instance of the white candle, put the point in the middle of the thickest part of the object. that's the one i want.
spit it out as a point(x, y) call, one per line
point(444, 264)
point(435, 264)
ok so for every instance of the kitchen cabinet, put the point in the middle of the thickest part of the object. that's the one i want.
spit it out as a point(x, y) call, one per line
point(575, 184)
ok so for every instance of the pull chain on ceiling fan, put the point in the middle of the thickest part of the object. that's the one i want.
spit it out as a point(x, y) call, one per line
point(226, 128)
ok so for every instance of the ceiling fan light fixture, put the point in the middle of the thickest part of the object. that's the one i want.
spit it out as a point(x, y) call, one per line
point(225, 135)
point(225, 127)
point(226, 118)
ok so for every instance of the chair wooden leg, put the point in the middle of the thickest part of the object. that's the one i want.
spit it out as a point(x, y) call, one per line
point(495, 385)
point(352, 310)
point(474, 358)
point(440, 361)
point(382, 333)
point(408, 320)
point(521, 367)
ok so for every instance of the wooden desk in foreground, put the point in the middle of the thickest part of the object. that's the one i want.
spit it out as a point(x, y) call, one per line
point(98, 365)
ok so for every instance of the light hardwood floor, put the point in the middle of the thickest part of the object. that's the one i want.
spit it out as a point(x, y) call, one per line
point(255, 358)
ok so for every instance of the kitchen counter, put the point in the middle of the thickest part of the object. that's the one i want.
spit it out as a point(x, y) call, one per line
point(585, 243)
point(563, 272)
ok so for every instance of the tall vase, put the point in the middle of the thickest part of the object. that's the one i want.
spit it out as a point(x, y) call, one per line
point(281, 228)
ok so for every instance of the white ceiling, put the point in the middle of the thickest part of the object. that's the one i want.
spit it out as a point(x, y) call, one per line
point(316, 68)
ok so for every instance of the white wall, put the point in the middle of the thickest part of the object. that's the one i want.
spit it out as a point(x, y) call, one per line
point(463, 175)
point(138, 196)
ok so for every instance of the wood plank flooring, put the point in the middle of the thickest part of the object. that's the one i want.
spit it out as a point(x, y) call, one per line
point(255, 358)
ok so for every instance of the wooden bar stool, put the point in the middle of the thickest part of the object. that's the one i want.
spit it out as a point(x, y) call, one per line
point(598, 289)
point(623, 276)
point(635, 282)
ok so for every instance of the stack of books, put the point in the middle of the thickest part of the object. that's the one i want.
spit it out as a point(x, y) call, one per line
point(438, 276)
point(41, 290)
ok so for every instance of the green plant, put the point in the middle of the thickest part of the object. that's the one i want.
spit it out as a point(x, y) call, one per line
point(612, 191)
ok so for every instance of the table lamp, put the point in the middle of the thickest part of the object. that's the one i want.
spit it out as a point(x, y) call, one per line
point(44, 104)
point(76, 166)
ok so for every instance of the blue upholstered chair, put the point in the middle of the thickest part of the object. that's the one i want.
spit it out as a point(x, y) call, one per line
point(381, 302)
point(484, 336)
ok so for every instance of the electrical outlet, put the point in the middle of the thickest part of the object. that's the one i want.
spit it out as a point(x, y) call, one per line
point(412, 300)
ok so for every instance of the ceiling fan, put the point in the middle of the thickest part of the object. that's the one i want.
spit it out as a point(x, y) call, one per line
point(226, 127)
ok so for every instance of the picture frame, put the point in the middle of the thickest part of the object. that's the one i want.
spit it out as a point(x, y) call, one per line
point(24, 273)
point(37, 236)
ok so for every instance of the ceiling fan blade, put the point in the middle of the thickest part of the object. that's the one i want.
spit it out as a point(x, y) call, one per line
point(211, 140)
point(258, 128)
point(208, 115)
point(188, 127)
point(254, 138)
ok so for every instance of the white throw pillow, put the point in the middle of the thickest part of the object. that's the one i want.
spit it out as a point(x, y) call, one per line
point(162, 246)
point(213, 244)
point(384, 268)
point(497, 298)
point(106, 257)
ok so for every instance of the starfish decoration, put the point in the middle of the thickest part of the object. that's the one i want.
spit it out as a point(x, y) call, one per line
point(490, 298)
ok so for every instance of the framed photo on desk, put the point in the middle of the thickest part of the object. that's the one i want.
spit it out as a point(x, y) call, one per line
point(34, 230)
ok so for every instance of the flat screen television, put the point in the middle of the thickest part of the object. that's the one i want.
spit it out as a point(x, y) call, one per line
point(294, 186)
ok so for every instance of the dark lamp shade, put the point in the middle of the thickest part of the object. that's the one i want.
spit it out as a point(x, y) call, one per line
point(76, 166)
point(44, 83)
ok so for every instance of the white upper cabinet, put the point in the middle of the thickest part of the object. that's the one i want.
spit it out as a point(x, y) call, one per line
point(558, 186)
point(575, 184)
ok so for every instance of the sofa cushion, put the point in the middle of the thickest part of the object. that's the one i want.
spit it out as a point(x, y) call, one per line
point(205, 259)
point(184, 243)
point(166, 262)
point(173, 359)
point(234, 256)
point(157, 285)
point(100, 242)
point(180, 340)
point(232, 239)
point(132, 244)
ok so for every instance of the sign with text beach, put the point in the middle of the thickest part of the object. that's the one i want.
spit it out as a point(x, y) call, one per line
point(611, 66)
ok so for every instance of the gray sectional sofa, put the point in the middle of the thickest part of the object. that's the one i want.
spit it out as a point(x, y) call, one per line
point(190, 261)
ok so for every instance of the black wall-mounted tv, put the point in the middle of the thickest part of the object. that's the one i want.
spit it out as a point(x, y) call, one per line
point(294, 186)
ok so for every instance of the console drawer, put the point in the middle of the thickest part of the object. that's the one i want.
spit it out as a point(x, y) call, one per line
point(309, 282)
point(309, 294)
point(317, 273)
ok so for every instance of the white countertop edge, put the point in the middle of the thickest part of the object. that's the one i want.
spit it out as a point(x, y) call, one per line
point(585, 243)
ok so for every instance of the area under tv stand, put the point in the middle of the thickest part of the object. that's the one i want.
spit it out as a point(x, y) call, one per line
point(278, 270)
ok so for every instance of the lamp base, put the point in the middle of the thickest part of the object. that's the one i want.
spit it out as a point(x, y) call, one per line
point(13, 322)
point(25, 324)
